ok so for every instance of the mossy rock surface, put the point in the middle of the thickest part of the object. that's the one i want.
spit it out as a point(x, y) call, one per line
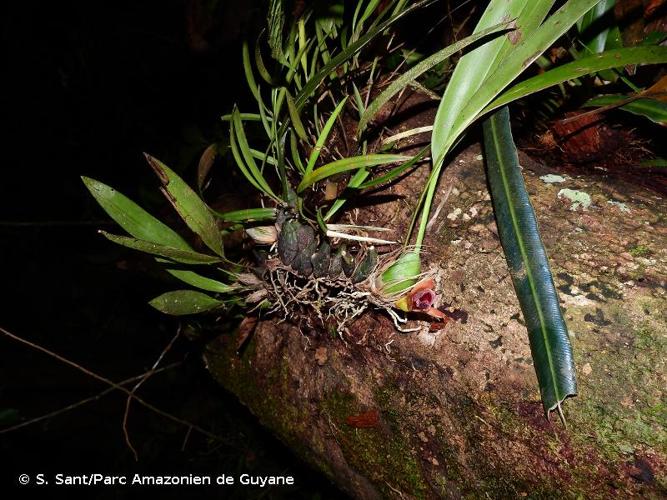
point(455, 412)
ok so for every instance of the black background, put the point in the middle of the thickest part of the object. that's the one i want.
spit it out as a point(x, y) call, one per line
point(87, 87)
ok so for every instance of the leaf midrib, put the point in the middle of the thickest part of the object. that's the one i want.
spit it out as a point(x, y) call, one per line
point(524, 258)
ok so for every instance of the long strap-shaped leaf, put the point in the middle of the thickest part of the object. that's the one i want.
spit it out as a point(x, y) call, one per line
point(529, 267)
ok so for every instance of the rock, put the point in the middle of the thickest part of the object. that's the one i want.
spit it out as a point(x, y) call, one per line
point(460, 418)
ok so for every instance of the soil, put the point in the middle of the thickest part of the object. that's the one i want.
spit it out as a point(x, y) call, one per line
point(454, 409)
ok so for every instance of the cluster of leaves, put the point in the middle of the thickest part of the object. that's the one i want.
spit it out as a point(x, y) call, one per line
point(315, 62)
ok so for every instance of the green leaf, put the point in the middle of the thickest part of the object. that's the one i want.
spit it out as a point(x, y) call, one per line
point(189, 205)
point(486, 71)
point(395, 172)
point(523, 55)
point(175, 254)
point(182, 302)
point(654, 162)
point(322, 138)
point(276, 22)
point(349, 51)
point(132, 218)
point(475, 68)
point(528, 263)
point(354, 183)
point(296, 157)
point(653, 109)
point(346, 164)
point(250, 78)
point(413, 73)
point(261, 67)
point(593, 20)
point(236, 129)
point(402, 274)
point(248, 215)
point(580, 67)
point(202, 282)
point(296, 119)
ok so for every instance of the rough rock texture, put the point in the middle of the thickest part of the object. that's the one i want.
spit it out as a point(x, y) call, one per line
point(456, 411)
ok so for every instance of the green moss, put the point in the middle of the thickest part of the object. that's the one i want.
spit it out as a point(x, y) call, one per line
point(623, 394)
point(385, 457)
point(640, 251)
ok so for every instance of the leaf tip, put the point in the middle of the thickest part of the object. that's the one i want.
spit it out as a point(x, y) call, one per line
point(157, 167)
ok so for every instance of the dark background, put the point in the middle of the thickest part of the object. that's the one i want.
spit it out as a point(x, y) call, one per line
point(88, 86)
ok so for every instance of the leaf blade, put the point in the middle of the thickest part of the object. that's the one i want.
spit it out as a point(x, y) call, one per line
point(578, 68)
point(346, 164)
point(194, 212)
point(417, 70)
point(202, 282)
point(184, 302)
point(653, 109)
point(174, 254)
point(529, 266)
point(132, 218)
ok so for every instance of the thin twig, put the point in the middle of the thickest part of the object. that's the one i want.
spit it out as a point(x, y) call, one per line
point(145, 377)
point(111, 383)
point(73, 406)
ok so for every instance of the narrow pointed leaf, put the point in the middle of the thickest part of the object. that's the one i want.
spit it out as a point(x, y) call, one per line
point(323, 136)
point(201, 282)
point(528, 263)
point(238, 130)
point(132, 218)
point(183, 302)
point(593, 20)
point(417, 70)
point(653, 109)
point(175, 254)
point(296, 119)
point(248, 215)
point(475, 67)
point(189, 205)
point(395, 172)
point(351, 49)
point(354, 183)
point(584, 66)
point(346, 164)
point(530, 46)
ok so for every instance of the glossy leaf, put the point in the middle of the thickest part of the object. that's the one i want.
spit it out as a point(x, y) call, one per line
point(132, 218)
point(593, 21)
point(349, 51)
point(201, 282)
point(475, 67)
point(402, 274)
point(346, 164)
point(528, 263)
point(239, 133)
point(296, 119)
point(417, 70)
point(516, 61)
point(183, 302)
point(174, 254)
point(395, 172)
point(248, 215)
point(653, 109)
point(486, 71)
point(189, 205)
point(355, 181)
point(323, 136)
point(580, 67)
